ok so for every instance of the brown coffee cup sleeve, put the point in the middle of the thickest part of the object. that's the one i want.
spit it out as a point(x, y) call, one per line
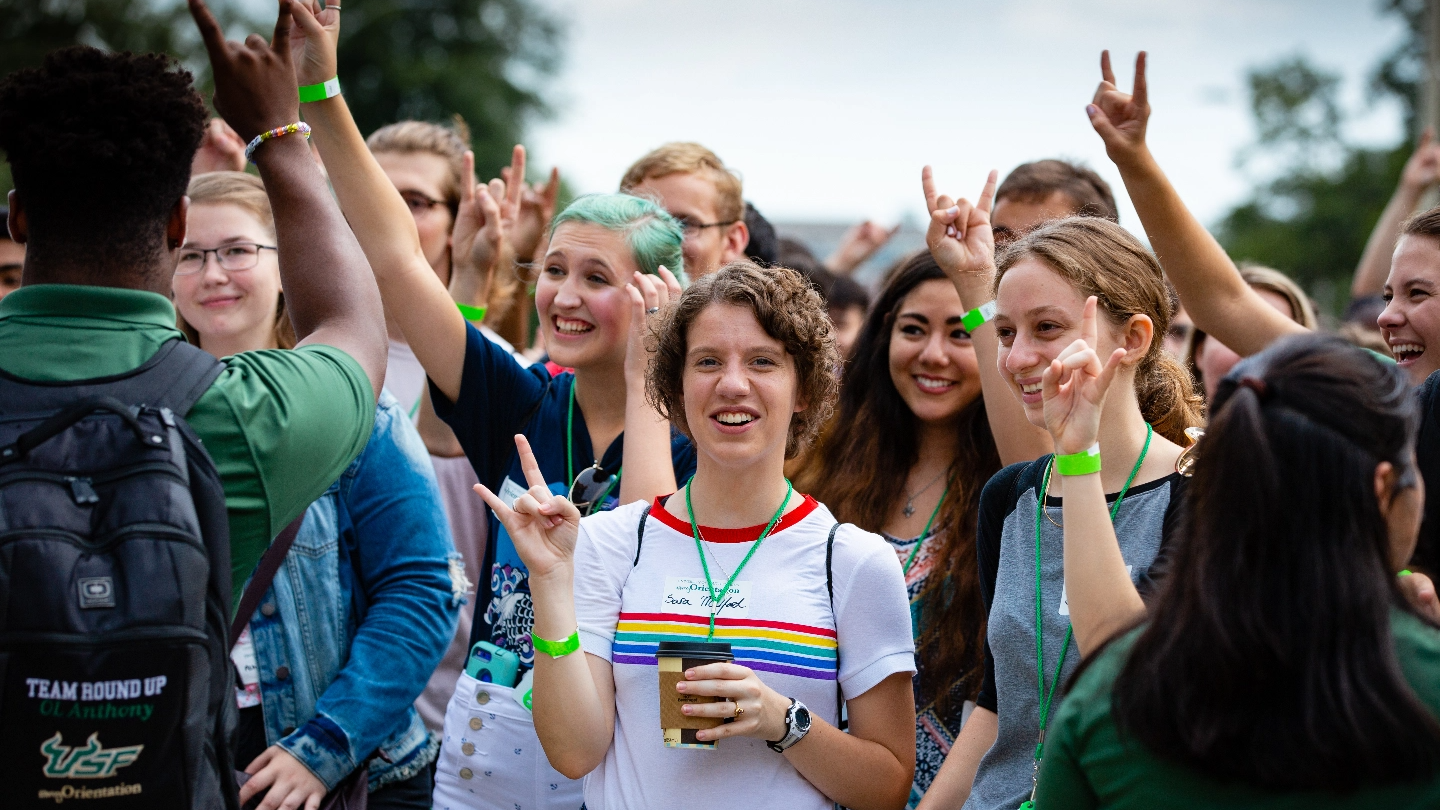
point(671, 701)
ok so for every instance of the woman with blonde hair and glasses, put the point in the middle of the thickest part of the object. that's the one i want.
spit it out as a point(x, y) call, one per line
point(352, 626)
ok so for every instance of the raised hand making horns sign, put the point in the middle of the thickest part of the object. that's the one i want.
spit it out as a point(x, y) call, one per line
point(959, 235)
point(1074, 385)
point(543, 525)
point(1120, 118)
point(254, 79)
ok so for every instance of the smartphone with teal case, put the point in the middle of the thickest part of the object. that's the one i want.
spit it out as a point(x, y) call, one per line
point(491, 664)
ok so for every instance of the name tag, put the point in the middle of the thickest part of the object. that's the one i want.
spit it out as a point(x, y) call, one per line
point(691, 597)
point(1065, 603)
point(509, 491)
point(243, 654)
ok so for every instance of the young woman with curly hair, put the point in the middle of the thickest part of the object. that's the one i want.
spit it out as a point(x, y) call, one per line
point(814, 611)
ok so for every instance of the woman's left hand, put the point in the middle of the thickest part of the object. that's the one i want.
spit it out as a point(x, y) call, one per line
point(648, 295)
point(291, 784)
point(758, 710)
point(1074, 385)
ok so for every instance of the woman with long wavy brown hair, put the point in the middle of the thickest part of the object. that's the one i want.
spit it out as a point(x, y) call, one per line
point(906, 456)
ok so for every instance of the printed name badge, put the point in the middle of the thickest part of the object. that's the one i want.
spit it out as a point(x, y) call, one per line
point(1065, 603)
point(691, 597)
point(243, 654)
point(509, 491)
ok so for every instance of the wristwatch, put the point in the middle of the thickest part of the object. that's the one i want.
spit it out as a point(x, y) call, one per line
point(797, 725)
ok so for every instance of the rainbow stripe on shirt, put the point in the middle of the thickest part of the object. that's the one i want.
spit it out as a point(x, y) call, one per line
point(764, 646)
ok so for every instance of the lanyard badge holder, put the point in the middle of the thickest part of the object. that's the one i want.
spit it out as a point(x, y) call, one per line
point(1047, 695)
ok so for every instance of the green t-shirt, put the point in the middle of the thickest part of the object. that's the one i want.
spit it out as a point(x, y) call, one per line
point(280, 425)
point(1087, 765)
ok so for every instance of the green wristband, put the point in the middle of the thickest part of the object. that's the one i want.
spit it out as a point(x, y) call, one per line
point(321, 91)
point(557, 649)
point(1079, 463)
point(474, 314)
point(979, 316)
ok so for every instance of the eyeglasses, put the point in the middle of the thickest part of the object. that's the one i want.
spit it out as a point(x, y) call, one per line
point(232, 258)
point(591, 487)
point(419, 203)
point(692, 229)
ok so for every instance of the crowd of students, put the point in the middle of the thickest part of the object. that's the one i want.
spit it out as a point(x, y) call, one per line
point(1047, 518)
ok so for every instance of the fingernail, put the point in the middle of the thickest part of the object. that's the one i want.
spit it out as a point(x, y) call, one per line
point(689, 673)
point(1091, 110)
point(954, 209)
point(949, 230)
point(685, 709)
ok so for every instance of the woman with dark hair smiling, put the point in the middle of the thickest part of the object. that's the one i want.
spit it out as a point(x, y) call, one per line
point(1280, 665)
point(915, 478)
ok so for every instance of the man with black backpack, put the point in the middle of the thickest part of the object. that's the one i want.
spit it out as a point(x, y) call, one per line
point(140, 478)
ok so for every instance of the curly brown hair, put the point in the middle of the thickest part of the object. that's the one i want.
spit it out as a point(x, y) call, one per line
point(788, 309)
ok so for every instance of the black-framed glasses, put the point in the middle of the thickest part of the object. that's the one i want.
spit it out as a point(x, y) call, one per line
point(691, 229)
point(232, 258)
point(419, 203)
point(591, 487)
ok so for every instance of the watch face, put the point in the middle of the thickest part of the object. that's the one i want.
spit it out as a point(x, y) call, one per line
point(802, 717)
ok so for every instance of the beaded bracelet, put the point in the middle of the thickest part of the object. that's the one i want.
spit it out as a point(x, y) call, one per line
point(299, 127)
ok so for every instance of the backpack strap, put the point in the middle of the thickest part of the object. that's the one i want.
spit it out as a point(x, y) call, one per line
point(842, 722)
point(265, 572)
point(174, 377)
point(190, 371)
point(640, 535)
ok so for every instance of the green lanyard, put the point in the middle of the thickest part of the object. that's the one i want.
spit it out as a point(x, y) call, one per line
point(570, 450)
point(1045, 695)
point(715, 599)
point(905, 569)
point(570, 438)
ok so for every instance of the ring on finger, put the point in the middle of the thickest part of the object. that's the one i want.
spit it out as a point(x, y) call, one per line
point(652, 310)
point(738, 711)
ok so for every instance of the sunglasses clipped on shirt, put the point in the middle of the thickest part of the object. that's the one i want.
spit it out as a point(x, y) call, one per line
point(592, 486)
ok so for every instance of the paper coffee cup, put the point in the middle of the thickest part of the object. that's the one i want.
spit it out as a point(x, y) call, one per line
point(674, 658)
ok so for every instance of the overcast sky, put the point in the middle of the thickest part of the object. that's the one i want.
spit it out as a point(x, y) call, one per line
point(829, 109)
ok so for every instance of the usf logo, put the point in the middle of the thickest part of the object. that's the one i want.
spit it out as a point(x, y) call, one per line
point(89, 761)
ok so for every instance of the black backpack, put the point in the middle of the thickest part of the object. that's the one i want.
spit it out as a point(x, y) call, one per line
point(115, 678)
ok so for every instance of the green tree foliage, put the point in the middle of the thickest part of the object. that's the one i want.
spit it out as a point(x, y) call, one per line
point(1322, 196)
point(428, 59)
point(486, 60)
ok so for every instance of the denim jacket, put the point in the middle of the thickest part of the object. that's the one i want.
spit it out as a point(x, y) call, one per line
point(360, 614)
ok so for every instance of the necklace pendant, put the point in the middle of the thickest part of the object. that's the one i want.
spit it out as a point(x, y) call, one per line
point(909, 509)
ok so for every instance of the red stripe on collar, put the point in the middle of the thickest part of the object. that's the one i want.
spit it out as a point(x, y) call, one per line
point(748, 534)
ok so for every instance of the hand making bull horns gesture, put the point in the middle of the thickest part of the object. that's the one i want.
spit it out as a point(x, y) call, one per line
point(254, 79)
point(959, 235)
point(542, 525)
point(1074, 385)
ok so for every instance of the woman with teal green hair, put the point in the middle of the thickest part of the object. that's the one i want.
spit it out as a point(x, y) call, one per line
point(613, 262)
point(654, 237)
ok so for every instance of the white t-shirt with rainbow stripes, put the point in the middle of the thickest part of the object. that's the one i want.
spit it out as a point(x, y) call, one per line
point(779, 622)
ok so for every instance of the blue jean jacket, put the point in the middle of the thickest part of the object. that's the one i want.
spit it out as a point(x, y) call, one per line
point(360, 614)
